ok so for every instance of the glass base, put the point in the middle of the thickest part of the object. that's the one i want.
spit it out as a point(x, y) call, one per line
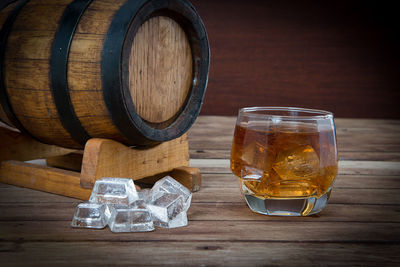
point(288, 207)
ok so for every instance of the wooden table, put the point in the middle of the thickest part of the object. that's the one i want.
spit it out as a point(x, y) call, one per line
point(360, 225)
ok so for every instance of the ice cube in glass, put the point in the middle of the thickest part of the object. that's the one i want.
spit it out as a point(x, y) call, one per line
point(301, 162)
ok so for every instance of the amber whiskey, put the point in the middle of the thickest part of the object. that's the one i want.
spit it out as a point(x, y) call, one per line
point(286, 161)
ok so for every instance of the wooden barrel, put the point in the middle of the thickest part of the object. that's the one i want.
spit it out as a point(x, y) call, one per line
point(134, 71)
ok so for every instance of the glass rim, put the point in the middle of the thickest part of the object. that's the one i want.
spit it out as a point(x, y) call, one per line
point(312, 114)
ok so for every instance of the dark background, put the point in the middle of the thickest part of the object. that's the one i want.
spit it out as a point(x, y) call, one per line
point(341, 56)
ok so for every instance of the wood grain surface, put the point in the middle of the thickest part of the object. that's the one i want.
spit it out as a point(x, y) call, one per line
point(29, 47)
point(107, 158)
point(161, 69)
point(84, 70)
point(24, 147)
point(342, 56)
point(359, 226)
point(63, 182)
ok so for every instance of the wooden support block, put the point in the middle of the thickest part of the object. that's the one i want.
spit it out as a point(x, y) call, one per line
point(188, 176)
point(43, 178)
point(17, 146)
point(108, 158)
point(71, 161)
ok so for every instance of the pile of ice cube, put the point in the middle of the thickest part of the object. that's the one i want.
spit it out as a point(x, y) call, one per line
point(116, 202)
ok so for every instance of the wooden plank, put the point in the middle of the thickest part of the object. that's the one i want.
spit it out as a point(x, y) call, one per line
point(43, 109)
point(98, 17)
point(43, 178)
point(14, 194)
point(370, 156)
point(369, 167)
point(188, 176)
point(223, 141)
point(227, 190)
point(71, 161)
point(28, 44)
point(44, 17)
point(365, 123)
point(372, 135)
point(332, 213)
point(18, 146)
point(338, 196)
point(25, 71)
point(87, 47)
point(83, 76)
point(63, 211)
point(373, 138)
point(209, 153)
point(86, 104)
point(211, 231)
point(198, 253)
point(365, 196)
point(48, 129)
point(350, 125)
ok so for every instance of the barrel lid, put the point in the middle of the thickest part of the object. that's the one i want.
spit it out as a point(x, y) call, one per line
point(160, 70)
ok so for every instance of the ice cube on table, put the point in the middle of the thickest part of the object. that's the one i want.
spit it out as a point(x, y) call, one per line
point(90, 215)
point(131, 218)
point(159, 215)
point(180, 220)
point(172, 202)
point(114, 191)
point(171, 186)
point(138, 203)
point(115, 201)
point(168, 211)
point(301, 162)
point(144, 195)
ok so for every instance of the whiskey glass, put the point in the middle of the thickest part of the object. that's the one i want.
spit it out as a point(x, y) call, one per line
point(285, 158)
